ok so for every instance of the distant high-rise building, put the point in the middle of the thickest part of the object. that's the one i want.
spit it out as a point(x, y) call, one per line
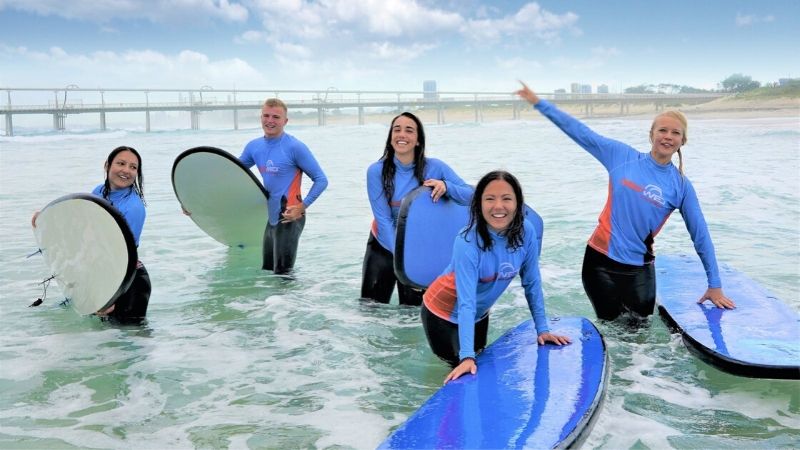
point(602, 89)
point(429, 91)
point(575, 88)
point(586, 89)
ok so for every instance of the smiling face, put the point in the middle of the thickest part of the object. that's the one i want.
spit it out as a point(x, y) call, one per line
point(273, 119)
point(498, 205)
point(123, 170)
point(404, 139)
point(667, 135)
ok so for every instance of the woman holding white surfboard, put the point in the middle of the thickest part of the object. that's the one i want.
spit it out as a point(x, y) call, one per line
point(123, 187)
point(644, 188)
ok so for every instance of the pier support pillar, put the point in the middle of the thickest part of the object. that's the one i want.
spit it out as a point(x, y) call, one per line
point(440, 115)
point(147, 121)
point(103, 121)
point(59, 121)
point(321, 117)
point(361, 115)
point(9, 125)
point(235, 119)
point(195, 120)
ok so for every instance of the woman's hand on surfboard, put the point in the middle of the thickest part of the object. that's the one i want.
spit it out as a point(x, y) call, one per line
point(554, 338)
point(105, 312)
point(185, 212)
point(294, 212)
point(439, 188)
point(33, 219)
point(718, 298)
point(466, 366)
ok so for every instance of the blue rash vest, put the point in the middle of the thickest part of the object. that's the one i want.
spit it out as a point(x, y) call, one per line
point(475, 279)
point(642, 194)
point(384, 225)
point(282, 162)
point(130, 205)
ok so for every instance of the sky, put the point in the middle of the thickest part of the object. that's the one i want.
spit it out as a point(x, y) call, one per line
point(464, 45)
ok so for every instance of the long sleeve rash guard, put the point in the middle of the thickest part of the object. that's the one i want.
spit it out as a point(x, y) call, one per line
point(475, 279)
point(642, 194)
point(130, 205)
point(385, 212)
point(282, 162)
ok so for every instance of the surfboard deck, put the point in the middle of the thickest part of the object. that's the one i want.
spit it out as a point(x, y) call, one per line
point(88, 248)
point(523, 396)
point(426, 232)
point(224, 198)
point(759, 338)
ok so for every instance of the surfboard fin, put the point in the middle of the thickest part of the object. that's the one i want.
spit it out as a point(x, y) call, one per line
point(34, 253)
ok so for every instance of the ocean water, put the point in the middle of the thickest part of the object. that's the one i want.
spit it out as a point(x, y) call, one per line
point(233, 357)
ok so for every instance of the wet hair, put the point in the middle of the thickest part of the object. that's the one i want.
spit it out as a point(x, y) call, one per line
point(677, 115)
point(387, 174)
point(516, 229)
point(138, 183)
point(273, 102)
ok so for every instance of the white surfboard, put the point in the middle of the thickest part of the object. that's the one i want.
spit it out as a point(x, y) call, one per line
point(224, 198)
point(88, 248)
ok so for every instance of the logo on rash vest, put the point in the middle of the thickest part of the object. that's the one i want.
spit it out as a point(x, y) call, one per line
point(651, 193)
point(506, 271)
point(271, 167)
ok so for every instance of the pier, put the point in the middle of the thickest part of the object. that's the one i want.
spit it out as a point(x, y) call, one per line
point(61, 103)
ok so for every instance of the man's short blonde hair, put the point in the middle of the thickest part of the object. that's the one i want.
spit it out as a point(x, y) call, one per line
point(273, 102)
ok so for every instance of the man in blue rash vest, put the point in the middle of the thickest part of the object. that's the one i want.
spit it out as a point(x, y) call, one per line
point(282, 160)
point(496, 246)
point(402, 168)
point(124, 189)
point(643, 190)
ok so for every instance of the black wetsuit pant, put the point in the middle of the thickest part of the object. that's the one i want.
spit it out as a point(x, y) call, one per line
point(378, 278)
point(280, 245)
point(131, 307)
point(615, 288)
point(443, 335)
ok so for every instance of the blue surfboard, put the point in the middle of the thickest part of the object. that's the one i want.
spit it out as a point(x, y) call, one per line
point(759, 338)
point(523, 396)
point(426, 232)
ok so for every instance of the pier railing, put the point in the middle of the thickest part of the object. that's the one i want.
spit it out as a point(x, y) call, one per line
point(63, 102)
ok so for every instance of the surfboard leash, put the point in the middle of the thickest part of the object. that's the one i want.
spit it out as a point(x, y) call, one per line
point(44, 283)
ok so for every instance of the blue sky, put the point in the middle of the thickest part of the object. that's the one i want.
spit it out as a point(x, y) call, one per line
point(464, 45)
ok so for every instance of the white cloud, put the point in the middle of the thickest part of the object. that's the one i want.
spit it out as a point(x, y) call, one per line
point(249, 37)
point(530, 19)
point(130, 69)
point(162, 11)
point(743, 20)
point(392, 52)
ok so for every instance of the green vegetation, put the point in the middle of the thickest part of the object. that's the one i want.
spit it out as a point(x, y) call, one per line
point(739, 83)
point(742, 86)
point(787, 91)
